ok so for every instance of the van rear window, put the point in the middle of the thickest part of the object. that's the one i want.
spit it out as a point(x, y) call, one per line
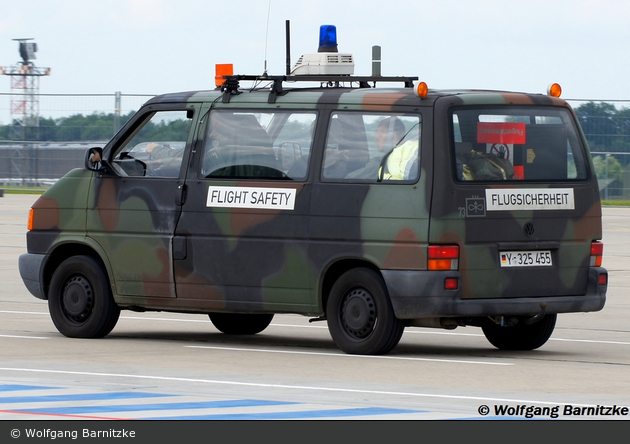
point(517, 144)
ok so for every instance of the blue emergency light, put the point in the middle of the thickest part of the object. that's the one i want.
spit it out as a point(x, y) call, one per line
point(327, 38)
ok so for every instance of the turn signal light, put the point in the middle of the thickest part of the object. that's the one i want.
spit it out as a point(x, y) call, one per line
point(29, 225)
point(597, 253)
point(443, 257)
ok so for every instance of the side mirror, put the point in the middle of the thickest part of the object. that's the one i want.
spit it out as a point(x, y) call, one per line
point(94, 159)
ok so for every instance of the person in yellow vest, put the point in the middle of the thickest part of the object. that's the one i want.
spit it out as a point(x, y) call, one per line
point(402, 162)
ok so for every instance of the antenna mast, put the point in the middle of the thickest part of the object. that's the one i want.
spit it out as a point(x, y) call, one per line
point(288, 39)
point(24, 105)
point(266, 37)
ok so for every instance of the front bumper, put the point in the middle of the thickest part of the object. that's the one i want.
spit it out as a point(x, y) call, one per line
point(30, 266)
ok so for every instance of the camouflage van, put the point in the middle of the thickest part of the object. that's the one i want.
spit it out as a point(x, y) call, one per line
point(371, 207)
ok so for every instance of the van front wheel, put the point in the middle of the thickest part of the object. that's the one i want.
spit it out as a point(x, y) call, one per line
point(360, 316)
point(80, 299)
point(521, 336)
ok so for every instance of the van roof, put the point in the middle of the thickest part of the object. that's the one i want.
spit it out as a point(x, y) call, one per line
point(270, 90)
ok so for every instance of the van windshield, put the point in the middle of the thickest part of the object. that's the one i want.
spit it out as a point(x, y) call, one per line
point(517, 144)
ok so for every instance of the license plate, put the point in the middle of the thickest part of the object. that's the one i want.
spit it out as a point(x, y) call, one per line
point(525, 258)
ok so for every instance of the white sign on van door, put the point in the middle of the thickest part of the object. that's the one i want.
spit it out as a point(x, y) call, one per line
point(248, 197)
point(530, 199)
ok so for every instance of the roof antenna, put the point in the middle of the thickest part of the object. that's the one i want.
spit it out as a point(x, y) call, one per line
point(266, 36)
point(288, 45)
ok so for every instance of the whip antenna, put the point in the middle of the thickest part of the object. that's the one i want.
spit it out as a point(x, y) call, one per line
point(266, 36)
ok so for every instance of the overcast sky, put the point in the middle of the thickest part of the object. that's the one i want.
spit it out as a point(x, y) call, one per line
point(158, 46)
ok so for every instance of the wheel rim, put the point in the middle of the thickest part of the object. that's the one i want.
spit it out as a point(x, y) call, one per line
point(358, 313)
point(77, 299)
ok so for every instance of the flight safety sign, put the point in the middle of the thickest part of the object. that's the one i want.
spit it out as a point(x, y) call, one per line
point(250, 197)
point(502, 199)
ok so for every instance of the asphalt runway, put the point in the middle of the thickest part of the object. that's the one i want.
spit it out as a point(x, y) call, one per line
point(177, 366)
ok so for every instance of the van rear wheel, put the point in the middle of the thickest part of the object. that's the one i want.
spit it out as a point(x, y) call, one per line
point(521, 336)
point(80, 299)
point(241, 323)
point(360, 316)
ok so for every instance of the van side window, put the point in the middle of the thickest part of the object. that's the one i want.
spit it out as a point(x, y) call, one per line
point(517, 144)
point(258, 145)
point(157, 147)
point(362, 147)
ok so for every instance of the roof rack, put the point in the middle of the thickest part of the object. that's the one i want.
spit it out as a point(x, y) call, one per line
point(231, 84)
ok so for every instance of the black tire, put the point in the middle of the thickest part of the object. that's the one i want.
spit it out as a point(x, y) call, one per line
point(360, 316)
point(521, 336)
point(80, 299)
point(241, 323)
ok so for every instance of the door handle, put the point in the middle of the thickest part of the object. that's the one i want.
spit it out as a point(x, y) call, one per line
point(180, 196)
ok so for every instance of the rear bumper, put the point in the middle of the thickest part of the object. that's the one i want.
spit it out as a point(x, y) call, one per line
point(30, 266)
point(421, 294)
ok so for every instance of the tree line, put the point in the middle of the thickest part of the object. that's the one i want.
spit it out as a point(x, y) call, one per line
point(607, 129)
point(75, 128)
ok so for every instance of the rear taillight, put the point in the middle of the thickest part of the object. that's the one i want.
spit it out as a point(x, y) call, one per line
point(597, 253)
point(451, 283)
point(443, 257)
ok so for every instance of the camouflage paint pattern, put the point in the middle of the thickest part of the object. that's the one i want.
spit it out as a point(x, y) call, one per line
point(192, 258)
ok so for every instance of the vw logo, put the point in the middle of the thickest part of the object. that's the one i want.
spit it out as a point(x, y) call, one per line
point(528, 229)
